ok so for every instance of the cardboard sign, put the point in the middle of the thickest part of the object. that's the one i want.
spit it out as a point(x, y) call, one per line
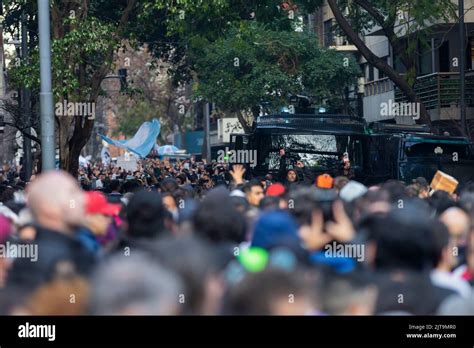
point(443, 181)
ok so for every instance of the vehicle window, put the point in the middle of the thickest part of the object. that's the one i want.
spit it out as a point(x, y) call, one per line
point(420, 149)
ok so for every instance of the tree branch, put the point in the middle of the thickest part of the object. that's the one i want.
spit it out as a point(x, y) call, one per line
point(378, 62)
point(22, 130)
point(399, 46)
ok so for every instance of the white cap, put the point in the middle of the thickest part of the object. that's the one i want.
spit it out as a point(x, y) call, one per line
point(352, 190)
point(237, 193)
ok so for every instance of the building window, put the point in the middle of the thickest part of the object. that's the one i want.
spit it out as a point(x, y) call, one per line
point(381, 73)
point(470, 62)
point(371, 73)
point(328, 33)
point(424, 60)
point(443, 53)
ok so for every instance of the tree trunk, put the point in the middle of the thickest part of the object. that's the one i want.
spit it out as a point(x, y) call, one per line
point(64, 125)
point(379, 63)
point(243, 122)
point(82, 133)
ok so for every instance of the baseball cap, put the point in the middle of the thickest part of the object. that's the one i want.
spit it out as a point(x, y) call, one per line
point(276, 189)
point(324, 181)
point(96, 203)
point(352, 190)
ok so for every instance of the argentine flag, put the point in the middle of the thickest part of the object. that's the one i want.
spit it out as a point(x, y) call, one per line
point(142, 142)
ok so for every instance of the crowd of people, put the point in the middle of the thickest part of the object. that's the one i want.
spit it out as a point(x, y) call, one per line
point(189, 237)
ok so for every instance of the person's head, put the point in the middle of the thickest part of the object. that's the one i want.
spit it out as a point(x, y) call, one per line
point(275, 229)
point(145, 215)
point(99, 213)
point(441, 201)
point(324, 181)
point(134, 285)
point(7, 193)
point(181, 179)
point(54, 298)
point(291, 176)
point(340, 182)
point(217, 218)
point(414, 190)
point(169, 202)
point(57, 209)
point(395, 190)
point(5, 232)
point(458, 223)
point(114, 185)
point(270, 292)
point(169, 185)
point(466, 201)
point(348, 294)
point(443, 247)
point(408, 242)
point(196, 263)
point(423, 185)
point(254, 192)
point(270, 203)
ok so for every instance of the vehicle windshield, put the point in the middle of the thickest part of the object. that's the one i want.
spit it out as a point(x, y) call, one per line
point(314, 150)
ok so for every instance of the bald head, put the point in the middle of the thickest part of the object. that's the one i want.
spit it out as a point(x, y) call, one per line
point(56, 201)
point(457, 221)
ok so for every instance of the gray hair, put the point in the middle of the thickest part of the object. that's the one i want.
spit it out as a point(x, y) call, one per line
point(135, 285)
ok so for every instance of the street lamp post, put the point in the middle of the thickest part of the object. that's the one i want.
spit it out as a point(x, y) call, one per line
point(25, 98)
point(46, 96)
point(462, 59)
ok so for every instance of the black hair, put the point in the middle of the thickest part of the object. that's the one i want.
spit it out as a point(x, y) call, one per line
point(145, 215)
point(218, 220)
point(440, 201)
point(254, 182)
point(408, 243)
point(440, 241)
point(114, 185)
point(257, 292)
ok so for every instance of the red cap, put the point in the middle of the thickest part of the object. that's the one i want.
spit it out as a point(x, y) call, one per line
point(276, 189)
point(96, 203)
point(325, 181)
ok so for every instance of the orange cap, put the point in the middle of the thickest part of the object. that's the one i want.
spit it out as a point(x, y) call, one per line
point(324, 181)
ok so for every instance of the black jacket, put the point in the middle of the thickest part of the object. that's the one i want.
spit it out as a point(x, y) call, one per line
point(57, 254)
point(303, 175)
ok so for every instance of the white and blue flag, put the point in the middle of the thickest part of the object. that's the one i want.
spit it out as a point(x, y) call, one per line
point(142, 142)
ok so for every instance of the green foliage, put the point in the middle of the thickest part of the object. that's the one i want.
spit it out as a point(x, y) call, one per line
point(252, 63)
point(410, 21)
point(131, 118)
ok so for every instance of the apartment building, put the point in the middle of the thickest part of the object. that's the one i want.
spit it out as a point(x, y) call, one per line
point(437, 66)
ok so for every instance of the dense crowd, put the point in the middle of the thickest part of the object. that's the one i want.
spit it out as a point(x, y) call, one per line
point(190, 237)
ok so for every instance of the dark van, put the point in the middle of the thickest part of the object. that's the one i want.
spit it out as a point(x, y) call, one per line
point(376, 154)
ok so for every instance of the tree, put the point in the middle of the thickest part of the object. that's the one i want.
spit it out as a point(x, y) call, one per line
point(153, 95)
point(85, 36)
point(252, 64)
point(405, 23)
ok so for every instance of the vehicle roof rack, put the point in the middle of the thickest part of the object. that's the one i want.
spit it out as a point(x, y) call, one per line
point(399, 128)
point(312, 121)
point(309, 122)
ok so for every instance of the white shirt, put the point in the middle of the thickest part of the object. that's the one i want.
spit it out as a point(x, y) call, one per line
point(448, 280)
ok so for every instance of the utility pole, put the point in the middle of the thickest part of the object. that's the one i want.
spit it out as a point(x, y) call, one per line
point(2, 80)
point(26, 100)
point(48, 152)
point(462, 69)
point(207, 131)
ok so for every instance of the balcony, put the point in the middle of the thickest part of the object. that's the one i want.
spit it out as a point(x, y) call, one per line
point(440, 93)
point(376, 87)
